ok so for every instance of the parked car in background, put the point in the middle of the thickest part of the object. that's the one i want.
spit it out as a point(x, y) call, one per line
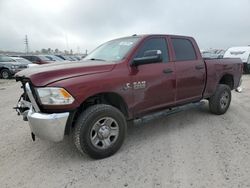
point(78, 57)
point(38, 59)
point(75, 58)
point(54, 58)
point(243, 53)
point(9, 66)
point(23, 60)
point(68, 58)
point(213, 54)
point(64, 57)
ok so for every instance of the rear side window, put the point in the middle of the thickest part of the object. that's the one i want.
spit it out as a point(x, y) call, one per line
point(27, 57)
point(183, 49)
point(34, 58)
point(154, 44)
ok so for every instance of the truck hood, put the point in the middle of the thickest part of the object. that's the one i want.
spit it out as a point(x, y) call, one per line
point(43, 75)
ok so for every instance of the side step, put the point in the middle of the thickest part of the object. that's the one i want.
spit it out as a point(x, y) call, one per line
point(168, 112)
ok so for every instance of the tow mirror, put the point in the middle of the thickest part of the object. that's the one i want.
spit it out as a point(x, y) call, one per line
point(149, 56)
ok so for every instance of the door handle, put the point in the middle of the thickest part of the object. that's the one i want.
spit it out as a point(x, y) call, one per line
point(198, 67)
point(167, 71)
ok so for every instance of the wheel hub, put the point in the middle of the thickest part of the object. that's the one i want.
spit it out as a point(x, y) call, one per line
point(104, 132)
point(224, 100)
point(5, 75)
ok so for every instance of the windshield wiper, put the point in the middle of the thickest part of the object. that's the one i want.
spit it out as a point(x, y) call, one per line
point(96, 59)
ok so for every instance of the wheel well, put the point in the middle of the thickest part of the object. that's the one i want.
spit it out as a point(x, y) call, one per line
point(227, 80)
point(112, 99)
point(2, 68)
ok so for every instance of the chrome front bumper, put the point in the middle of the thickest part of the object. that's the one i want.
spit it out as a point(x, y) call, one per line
point(45, 126)
point(48, 126)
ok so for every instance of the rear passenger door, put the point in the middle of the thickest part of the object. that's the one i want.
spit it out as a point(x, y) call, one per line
point(190, 70)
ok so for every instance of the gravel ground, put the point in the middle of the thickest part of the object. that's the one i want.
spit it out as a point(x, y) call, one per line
point(192, 148)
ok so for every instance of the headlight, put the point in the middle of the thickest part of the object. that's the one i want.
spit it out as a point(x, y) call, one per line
point(54, 96)
point(14, 66)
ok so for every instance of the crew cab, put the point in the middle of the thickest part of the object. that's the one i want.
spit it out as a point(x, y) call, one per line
point(121, 80)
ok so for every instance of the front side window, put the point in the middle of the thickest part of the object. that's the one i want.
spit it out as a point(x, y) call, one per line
point(114, 50)
point(154, 44)
point(183, 49)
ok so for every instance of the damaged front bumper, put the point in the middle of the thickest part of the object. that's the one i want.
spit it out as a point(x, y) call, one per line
point(48, 126)
point(45, 126)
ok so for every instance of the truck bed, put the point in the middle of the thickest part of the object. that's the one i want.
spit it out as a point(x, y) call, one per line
point(218, 68)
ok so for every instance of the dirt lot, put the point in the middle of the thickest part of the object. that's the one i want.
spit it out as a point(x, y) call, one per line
point(190, 149)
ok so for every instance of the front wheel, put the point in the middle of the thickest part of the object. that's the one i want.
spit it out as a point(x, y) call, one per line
point(220, 101)
point(100, 131)
point(5, 74)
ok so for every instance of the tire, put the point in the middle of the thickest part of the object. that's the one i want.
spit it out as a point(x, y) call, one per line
point(220, 101)
point(94, 129)
point(5, 74)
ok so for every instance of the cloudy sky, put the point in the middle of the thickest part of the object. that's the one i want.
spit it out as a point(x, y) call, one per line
point(84, 24)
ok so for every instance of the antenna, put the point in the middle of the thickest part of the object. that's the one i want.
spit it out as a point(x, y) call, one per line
point(26, 43)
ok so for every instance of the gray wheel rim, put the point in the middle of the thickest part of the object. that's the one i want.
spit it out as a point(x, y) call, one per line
point(5, 74)
point(224, 100)
point(104, 133)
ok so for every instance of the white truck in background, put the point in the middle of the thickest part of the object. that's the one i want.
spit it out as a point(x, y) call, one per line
point(243, 53)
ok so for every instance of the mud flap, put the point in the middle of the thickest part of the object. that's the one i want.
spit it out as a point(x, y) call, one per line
point(33, 136)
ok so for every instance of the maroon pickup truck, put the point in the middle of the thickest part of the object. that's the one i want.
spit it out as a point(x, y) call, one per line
point(121, 80)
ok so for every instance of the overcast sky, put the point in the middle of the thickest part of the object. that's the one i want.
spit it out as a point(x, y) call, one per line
point(84, 24)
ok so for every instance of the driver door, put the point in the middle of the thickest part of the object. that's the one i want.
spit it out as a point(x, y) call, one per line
point(153, 83)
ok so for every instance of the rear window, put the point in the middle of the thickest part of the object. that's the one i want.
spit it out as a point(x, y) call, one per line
point(184, 50)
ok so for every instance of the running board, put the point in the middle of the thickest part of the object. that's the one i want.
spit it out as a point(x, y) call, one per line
point(168, 112)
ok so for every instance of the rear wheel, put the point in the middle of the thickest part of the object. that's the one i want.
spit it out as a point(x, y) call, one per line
point(100, 131)
point(5, 74)
point(220, 101)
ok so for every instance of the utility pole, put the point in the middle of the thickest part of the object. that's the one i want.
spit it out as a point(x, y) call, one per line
point(78, 50)
point(26, 43)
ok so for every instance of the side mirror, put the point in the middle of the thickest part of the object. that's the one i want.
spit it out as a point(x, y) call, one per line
point(150, 56)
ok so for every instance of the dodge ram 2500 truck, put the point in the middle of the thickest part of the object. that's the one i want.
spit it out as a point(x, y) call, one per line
point(121, 80)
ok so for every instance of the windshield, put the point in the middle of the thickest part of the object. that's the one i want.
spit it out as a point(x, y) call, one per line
point(21, 60)
point(5, 59)
point(114, 50)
